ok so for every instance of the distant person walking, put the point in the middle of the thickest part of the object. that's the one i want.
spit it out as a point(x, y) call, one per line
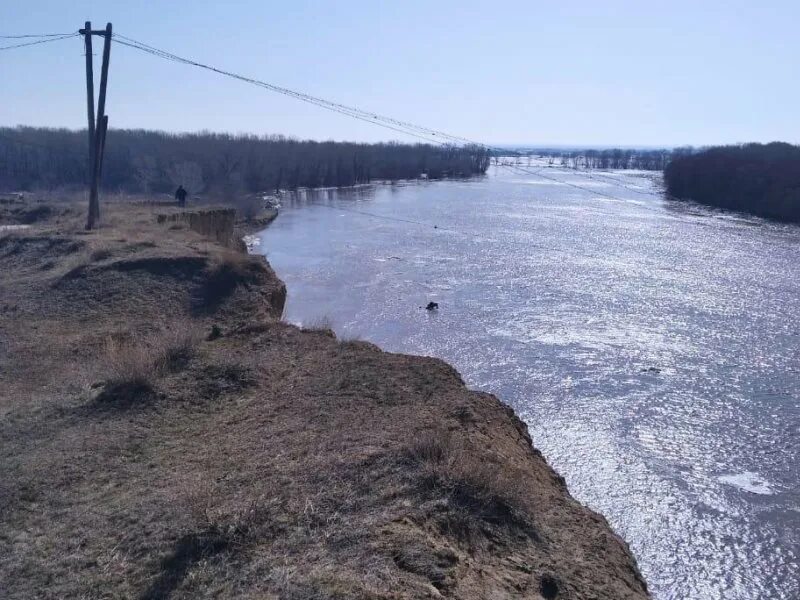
point(180, 195)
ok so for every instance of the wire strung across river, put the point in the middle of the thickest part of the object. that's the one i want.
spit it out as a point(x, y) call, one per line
point(35, 35)
point(46, 40)
point(427, 134)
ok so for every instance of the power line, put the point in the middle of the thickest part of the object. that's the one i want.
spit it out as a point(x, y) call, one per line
point(33, 35)
point(389, 122)
point(618, 182)
point(423, 133)
point(273, 88)
point(308, 97)
point(44, 41)
point(538, 173)
point(427, 134)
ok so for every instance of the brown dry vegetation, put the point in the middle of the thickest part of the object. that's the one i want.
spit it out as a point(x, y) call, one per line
point(164, 435)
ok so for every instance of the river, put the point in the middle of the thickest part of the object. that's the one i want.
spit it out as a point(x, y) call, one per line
point(652, 346)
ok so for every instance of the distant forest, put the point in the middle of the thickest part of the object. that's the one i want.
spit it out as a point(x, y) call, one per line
point(153, 161)
point(760, 179)
point(611, 158)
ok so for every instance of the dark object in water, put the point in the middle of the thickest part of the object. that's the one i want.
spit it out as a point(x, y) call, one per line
point(432, 306)
point(654, 370)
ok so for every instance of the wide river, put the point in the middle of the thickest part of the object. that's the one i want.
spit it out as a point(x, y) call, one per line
point(652, 347)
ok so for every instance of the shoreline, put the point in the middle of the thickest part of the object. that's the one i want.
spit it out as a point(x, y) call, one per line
point(267, 456)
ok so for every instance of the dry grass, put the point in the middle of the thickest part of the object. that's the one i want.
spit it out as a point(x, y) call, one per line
point(99, 254)
point(129, 364)
point(74, 263)
point(138, 361)
point(248, 207)
point(214, 509)
point(219, 527)
point(321, 324)
point(73, 217)
point(232, 261)
point(486, 489)
point(349, 338)
point(76, 195)
point(176, 346)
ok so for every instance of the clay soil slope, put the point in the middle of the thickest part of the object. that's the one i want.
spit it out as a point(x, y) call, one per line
point(164, 435)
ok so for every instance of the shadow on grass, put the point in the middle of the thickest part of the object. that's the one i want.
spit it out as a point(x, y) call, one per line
point(219, 285)
point(125, 396)
point(221, 282)
point(189, 550)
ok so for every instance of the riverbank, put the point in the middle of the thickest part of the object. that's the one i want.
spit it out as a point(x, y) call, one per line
point(165, 434)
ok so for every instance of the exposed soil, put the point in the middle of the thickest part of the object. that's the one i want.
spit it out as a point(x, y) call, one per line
point(164, 435)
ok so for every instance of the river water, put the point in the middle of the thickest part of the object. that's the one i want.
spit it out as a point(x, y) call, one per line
point(652, 347)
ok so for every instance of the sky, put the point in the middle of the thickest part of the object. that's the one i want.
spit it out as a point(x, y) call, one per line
point(515, 72)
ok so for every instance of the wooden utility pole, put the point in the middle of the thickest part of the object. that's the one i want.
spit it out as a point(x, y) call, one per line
point(98, 125)
point(89, 93)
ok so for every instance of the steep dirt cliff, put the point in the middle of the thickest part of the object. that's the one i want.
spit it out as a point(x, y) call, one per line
point(165, 435)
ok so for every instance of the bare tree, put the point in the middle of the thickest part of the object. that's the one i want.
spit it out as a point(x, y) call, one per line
point(145, 171)
point(188, 174)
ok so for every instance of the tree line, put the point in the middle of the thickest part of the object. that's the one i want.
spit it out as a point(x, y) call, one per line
point(611, 158)
point(155, 161)
point(761, 179)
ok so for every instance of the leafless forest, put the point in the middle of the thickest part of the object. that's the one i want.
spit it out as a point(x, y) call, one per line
point(152, 161)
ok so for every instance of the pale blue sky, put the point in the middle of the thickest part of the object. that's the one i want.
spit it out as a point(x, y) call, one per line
point(577, 72)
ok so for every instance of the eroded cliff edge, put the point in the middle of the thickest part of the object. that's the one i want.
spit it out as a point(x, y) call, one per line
point(165, 435)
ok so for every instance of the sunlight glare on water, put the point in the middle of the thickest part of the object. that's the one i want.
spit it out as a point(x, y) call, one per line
point(651, 346)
